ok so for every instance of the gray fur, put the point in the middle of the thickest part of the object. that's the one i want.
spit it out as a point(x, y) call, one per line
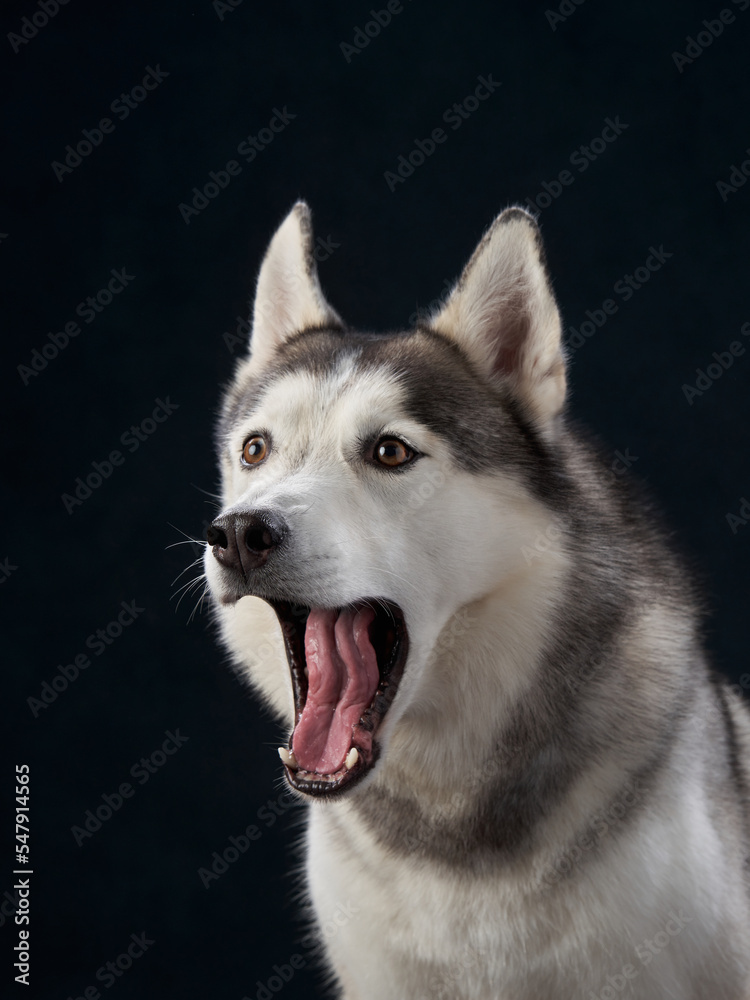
point(620, 761)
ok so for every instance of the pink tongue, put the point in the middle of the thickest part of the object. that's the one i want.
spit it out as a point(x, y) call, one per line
point(342, 680)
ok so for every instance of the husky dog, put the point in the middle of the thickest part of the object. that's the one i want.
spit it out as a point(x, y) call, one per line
point(524, 782)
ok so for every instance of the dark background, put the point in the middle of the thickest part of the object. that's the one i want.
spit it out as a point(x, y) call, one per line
point(66, 574)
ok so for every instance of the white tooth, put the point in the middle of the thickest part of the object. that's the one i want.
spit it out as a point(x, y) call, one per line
point(287, 757)
point(351, 758)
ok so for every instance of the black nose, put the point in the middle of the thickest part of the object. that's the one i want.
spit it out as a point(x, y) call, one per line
point(245, 541)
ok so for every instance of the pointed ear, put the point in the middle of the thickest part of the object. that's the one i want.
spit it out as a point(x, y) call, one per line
point(503, 314)
point(288, 297)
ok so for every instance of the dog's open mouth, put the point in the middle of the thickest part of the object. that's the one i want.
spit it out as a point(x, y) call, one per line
point(346, 664)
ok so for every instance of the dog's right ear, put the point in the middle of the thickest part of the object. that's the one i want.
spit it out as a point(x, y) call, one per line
point(288, 297)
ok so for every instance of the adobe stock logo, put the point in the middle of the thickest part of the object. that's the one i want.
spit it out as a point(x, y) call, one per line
point(112, 802)
point(110, 972)
point(696, 46)
point(222, 9)
point(131, 439)
point(250, 147)
point(363, 36)
point(737, 178)
point(30, 26)
point(68, 672)
point(739, 520)
point(722, 361)
point(282, 974)
point(563, 12)
point(88, 310)
point(581, 159)
point(239, 845)
point(625, 287)
point(455, 116)
point(93, 137)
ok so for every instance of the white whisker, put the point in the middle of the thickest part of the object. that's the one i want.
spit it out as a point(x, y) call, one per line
point(195, 562)
point(214, 496)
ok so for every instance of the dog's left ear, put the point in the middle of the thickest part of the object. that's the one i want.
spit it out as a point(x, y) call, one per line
point(503, 314)
point(288, 296)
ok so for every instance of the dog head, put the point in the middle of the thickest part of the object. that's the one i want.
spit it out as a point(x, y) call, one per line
point(374, 485)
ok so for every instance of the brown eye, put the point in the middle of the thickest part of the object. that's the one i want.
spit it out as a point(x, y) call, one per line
point(254, 450)
point(391, 452)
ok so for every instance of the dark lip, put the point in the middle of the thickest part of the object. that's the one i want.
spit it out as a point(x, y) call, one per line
point(391, 639)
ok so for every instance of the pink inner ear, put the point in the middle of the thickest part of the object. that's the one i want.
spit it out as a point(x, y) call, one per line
point(511, 336)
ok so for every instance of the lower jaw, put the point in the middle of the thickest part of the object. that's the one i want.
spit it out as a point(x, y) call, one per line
point(360, 760)
point(324, 785)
